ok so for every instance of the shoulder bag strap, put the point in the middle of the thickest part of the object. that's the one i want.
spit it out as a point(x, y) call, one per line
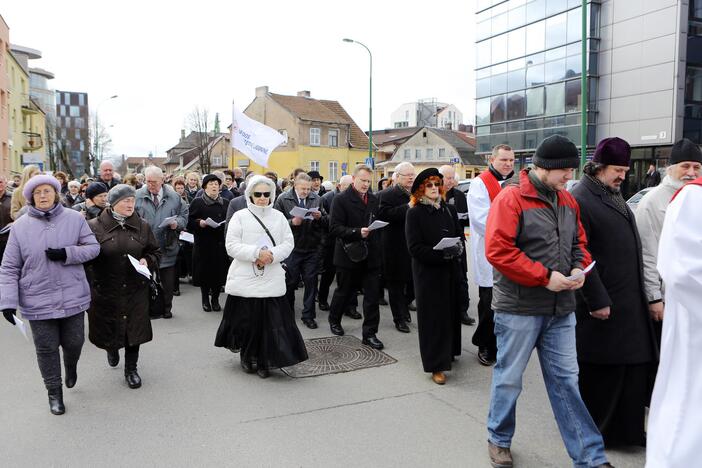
point(263, 226)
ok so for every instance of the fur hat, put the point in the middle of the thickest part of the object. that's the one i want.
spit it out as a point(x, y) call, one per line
point(685, 150)
point(120, 192)
point(556, 152)
point(95, 189)
point(612, 152)
point(424, 175)
point(209, 178)
point(36, 181)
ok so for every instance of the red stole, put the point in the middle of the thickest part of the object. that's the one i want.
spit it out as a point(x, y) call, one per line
point(491, 183)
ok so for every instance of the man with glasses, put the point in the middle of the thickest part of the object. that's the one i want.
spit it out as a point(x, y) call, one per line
point(458, 199)
point(308, 235)
point(154, 203)
point(356, 255)
point(397, 263)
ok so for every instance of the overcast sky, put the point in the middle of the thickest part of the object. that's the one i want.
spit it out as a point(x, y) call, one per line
point(163, 59)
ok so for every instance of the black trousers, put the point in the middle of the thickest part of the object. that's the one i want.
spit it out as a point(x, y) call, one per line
point(305, 264)
point(484, 336)
point(68, 334)
point(400, 295)
point(349, 281)
point(168, 279)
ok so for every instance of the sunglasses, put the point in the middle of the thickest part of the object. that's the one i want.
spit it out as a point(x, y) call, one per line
point(262, 194)
point(433, 184)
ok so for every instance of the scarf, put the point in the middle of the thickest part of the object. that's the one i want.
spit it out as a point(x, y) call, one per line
point(426, 201)
point(211, 201)
point(46, 214)
point(615, 196)
point(499, 176)
point(119, 218)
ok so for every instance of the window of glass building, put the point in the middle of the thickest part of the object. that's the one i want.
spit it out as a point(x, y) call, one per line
point(573, 97)
point(482, 111)
point(557, 28)
point(535, 10)
point(516, 43)
point(574, 25)
point(499, 48)
point(555, 6)
point(535, 102)
point(498, 108)
point(693, 82)
point(535, 37)
point(482, 53)
point(555, 99)
point(517, 17)
point(74, 111)
point(516, 106)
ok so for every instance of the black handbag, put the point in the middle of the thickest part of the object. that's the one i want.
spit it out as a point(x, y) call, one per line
point(157, 305)
point(357, 251)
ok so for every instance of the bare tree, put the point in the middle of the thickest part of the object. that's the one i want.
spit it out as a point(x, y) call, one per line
point(101, 144)
point(58, 149)
point(199, 122)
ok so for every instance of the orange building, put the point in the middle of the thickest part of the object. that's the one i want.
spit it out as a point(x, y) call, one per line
point(4, 99)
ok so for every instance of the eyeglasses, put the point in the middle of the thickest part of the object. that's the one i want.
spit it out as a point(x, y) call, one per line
point(433, 184)
point(405, 175)
point(262, 194)
point(39, 193)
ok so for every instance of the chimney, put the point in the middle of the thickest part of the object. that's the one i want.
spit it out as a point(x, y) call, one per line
point(182, 134)
point(261, 91)
point(304, 93)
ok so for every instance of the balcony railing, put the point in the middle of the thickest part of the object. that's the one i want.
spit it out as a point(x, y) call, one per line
point(32, 141)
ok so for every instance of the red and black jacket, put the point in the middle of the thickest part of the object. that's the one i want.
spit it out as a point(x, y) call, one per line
point(526, 238)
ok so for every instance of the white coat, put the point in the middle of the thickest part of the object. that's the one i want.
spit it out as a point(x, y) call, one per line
point(649, 221)
point(674, 435)
point(478, 209)
point(245, 238)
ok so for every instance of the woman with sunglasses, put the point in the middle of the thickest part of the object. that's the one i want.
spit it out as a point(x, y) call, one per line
point(210, 261)
point(436, 273)
point(257, 320)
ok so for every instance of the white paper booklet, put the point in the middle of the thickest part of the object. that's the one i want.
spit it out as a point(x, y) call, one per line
point(141, 269)
point(167, 221)
point(214, 224)
point(447, 242)
point(582, 273)
point(377, 224)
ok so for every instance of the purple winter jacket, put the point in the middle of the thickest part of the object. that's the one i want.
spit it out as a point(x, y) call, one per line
point(43, 289)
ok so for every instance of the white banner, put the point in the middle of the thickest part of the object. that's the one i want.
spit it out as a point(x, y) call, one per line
point(254, 139)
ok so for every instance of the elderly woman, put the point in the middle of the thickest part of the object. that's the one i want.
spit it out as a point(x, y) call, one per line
point(119, 314)
point(210, 261)
point(42, 275)
point(18, 201)
point(73, 195)
point(257, 318)
point(436, 273)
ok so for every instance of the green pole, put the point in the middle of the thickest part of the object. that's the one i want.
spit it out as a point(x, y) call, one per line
point(583, 87)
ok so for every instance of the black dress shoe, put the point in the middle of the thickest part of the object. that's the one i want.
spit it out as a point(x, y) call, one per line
point(71, 376)
point(485, 357)
point(408, 318)
point(466, 319)
point(167, 315)
point(215, 305)
point(382, 301)
point(402, 327)
point(132, 378)
point(373, 342)
point(206, 307)
point(412, 307)
point(310, 323)
point(246, 366)
point(176, 293)
point(113, 358)
point(323, 306)
point(263, 373)
point(354, 314)
point(155, 317)
point(336, 329)
point(56, 401)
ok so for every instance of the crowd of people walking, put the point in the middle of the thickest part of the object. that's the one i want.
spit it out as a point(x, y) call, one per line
point(575, 275)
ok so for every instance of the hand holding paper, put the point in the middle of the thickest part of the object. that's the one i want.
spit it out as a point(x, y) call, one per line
point(213, 224)
point(167, 222)
point(581, 274)
point(21, 327)
point(377, 224)
point(141, 269)
point(187, 237)
point(447, 242)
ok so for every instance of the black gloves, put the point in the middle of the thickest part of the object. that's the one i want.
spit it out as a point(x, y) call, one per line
point(454, 251)
point(56, 255)
point(9, 315)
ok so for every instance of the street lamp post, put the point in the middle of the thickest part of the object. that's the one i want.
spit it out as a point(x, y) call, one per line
point(96, 136)
point(370, 102)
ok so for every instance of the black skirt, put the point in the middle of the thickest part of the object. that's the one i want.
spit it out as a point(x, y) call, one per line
point(263, 330)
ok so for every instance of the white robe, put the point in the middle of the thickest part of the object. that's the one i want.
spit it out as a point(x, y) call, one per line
point(675, 418)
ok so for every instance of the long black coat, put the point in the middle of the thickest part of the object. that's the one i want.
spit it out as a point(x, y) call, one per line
point(210, 261)
point(397, 264)
point(436, 284)
point(348, 215)
point(120, 296)
point(616, 281)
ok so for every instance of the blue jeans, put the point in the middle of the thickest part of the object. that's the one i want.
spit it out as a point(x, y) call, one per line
point(554, 339)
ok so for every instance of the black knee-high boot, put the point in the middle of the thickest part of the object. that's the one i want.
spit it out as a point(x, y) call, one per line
point(205, 291)
point(215, 300)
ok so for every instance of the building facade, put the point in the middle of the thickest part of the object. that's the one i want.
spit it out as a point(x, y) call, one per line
point(72, 131)
point(321, 136)
point(644, 83)
point(4, 99)
point(427, 113)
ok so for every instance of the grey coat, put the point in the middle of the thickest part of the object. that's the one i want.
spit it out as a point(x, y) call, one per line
point(171, 204)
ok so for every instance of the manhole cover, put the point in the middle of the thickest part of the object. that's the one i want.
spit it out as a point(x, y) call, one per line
point(337, 354)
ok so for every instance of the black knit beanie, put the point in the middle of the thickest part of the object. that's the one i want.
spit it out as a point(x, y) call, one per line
point(556, 152)
point(685, 150)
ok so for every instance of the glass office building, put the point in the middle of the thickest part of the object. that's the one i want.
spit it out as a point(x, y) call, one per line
point(693, 74)
point(528, 69)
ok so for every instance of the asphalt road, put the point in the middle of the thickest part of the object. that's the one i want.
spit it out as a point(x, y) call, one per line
point(198, 408)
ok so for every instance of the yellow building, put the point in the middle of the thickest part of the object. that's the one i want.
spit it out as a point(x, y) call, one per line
point(321, 135)
point(27, 120)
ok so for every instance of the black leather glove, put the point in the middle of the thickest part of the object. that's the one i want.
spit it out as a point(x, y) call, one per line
point(454, 251)
point(9, 315)
point(56, 255)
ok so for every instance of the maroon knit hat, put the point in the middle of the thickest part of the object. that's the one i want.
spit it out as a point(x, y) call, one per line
point(612, 152)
